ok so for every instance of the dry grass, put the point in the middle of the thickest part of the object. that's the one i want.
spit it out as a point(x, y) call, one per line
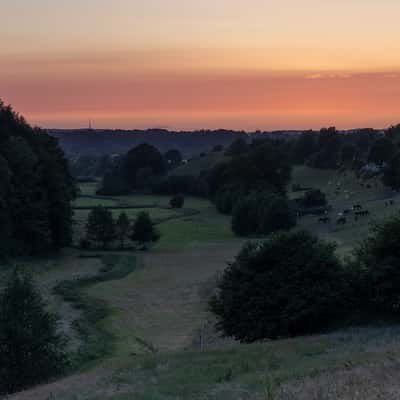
point(371, 382)
point(161, 303)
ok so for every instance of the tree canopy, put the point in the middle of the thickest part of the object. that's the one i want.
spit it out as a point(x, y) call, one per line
point(36, 188)
point(288, 285)
point(31, 349)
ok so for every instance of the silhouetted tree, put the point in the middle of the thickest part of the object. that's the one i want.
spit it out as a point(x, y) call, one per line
point(378, 260)
point(237, 148)
point(314, 198)
point(39, 188)
point(348, 153)
point(291, 284)
point(381, 151)
point(100, 226)
point(304, 147)
point(31, 349)
point(261, 214)
point(142, 156)
point(143, 230)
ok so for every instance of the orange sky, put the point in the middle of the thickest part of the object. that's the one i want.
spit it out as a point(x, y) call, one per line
point(185, 64)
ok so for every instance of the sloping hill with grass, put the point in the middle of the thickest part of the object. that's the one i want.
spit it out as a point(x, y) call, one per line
point(153, 337)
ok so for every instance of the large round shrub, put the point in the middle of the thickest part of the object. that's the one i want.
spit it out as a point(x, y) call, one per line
point(288, 285)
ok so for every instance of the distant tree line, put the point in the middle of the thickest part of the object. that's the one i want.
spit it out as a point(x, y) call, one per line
point(36, 189)
point(353, 150)
point(145, 169)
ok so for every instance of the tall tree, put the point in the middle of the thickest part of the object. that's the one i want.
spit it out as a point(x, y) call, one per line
point(142, 156)
point(143, 230)
point(31, 349)
point(100, 226)
point(39, 188)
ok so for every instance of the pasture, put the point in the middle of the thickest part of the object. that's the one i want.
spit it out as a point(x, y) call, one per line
point(159, 335)
point(343, 191)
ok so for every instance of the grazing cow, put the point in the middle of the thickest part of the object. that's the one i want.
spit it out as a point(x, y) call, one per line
point(362, 213)
point(346, 211)
point(341, 221)
point(357, 207)
point(391, 202)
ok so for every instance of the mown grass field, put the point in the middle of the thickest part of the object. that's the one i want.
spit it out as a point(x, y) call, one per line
point(158, 312)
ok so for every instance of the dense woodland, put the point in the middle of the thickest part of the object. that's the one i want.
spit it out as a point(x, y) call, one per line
point(36, 189)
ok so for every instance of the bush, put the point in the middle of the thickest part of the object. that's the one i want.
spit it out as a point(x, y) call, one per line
point(378, 260)
point(314, 198)
point(177, 201)
point(291, 284)
point(261, 214)
point(31, 349)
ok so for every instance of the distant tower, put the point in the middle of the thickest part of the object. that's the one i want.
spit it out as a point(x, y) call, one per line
point(90, 125)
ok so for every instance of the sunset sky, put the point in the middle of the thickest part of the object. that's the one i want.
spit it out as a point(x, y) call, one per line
point(188, 64)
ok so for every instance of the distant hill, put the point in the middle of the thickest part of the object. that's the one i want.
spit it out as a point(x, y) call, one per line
point(77, 142)
point(83, 142)
point(86, 141)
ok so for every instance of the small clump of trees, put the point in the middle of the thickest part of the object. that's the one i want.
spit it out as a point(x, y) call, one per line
point(251, 186)
point(32, 351)
point(102, 230)
point(294, 284)
point(142, 168)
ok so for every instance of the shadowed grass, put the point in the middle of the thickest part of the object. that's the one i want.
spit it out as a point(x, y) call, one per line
point(97, 342)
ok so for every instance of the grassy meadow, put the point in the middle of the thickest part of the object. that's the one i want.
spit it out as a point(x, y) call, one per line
point(149, 335)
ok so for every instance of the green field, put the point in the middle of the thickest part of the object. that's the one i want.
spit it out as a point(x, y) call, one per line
point(159, 335)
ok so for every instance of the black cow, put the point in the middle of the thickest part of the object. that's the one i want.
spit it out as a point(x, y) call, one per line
point(362, 213)
point(341, 221)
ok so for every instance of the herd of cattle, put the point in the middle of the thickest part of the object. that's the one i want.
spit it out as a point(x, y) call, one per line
point(357, 211)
